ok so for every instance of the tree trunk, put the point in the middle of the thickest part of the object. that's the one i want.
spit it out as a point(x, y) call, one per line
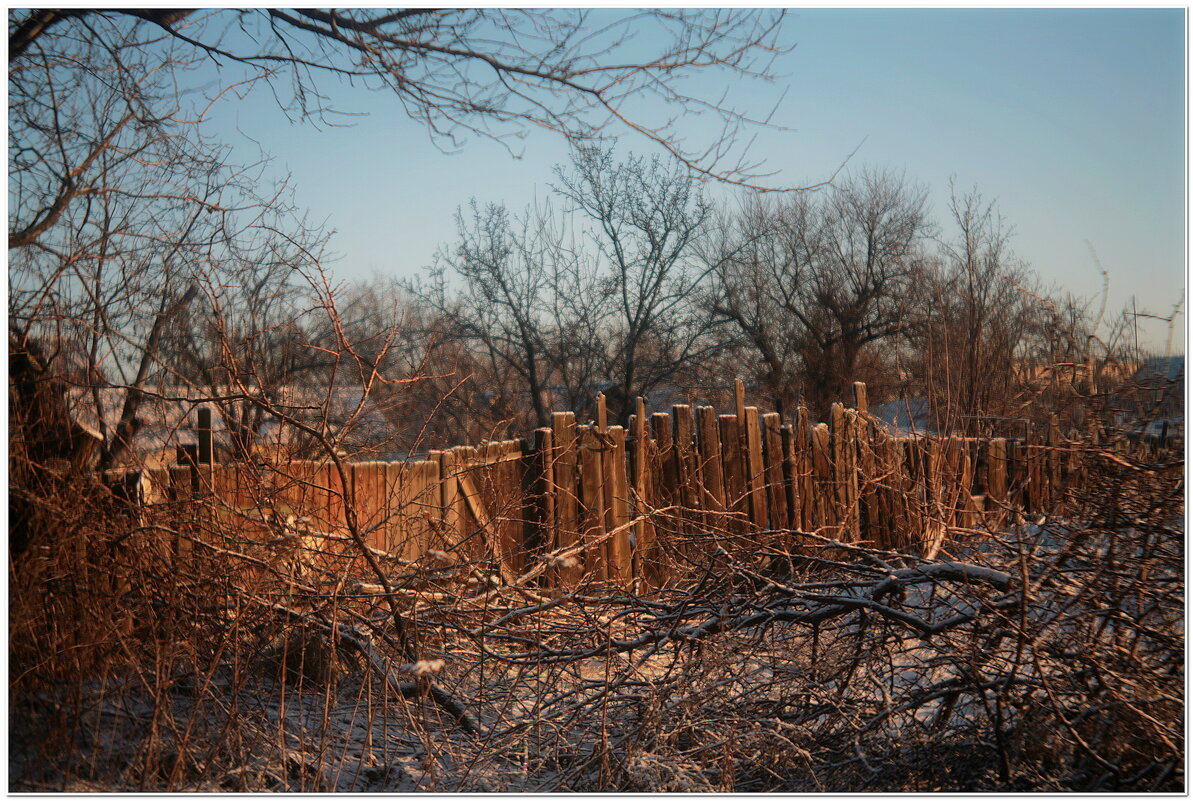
point(126, 428)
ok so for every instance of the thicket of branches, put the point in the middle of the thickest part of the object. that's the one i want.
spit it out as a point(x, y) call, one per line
point(199, 645)
point(631, 281)
point(171, 651)
point(142, 259)
point(138, 248)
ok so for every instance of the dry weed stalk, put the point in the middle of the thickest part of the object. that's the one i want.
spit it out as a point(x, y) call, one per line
point(1044, 655)
point(196, 643)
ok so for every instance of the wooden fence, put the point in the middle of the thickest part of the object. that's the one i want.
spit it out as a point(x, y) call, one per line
point(631, 504)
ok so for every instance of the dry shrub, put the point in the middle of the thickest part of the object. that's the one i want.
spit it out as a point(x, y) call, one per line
point(1044, 655)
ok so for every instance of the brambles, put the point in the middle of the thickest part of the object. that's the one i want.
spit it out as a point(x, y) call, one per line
point(1041, 656)
point(220, 640)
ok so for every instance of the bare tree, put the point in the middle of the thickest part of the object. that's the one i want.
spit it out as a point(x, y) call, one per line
point(973, 322)
point(647, 222)
point(491, 72)
point(812, 282)
point(854, 293)
point(752, 257)
point(511, 272)
point(556, 306)
point(123, 216)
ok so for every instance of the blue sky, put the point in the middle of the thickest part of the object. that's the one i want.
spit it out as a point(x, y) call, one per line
point(1073, 120)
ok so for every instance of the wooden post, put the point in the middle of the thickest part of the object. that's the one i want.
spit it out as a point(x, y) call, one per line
point(859, 397)
point(451, 501)
point(364, 498)
point(605, 447)
point(866, 469)
point(510, 506)
point(429, 496)
point(894, 500)
point(396, 534)
point(1025, 464)
point(203, 432)
point(933, 477)
point(853, 444)
point(182, 489)
point(880, 480)
point(1014, 472)
point(1037, 456)
point(980, 452)
point(733, 464)
point(1055, 491)
point(951, 480)
point(413, 533)
point(825, 506)
point(660, 429)
point(567, 528)
point(602, 421)
point(965, 502)
point(466, 459)
point(909, 518)
point(380, 511)
point(844, 473)
point(665, 489)
point(390, 483)
point(776, 492)
point(755, 468)
point(996, 470)
point(711, 475)
point(337, 496)
point(606, 484)
point(620, 566)
point(685, 467)
point(592, 498)
point(643, 546)
point(803, 464)
point(221, 487)
point(837, 455)
point(540, 511)
point(791, 478)
point(357, 497)
point(1076, 473)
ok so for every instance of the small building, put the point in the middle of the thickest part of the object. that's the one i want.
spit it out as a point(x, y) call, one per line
point(241, 428)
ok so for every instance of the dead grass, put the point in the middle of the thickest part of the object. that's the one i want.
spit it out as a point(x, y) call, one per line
point(136, 669)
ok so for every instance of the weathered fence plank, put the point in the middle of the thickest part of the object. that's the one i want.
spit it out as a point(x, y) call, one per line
point(620, 564)
point(711, 474)
point(592, 501)
point(776, 491)
point(567, 520)
point(685, 470)
point(755, 468)
point(733, 466)
point(509, 504)
point(540, 504)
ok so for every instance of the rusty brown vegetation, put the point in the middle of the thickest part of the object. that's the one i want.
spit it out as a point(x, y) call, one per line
point(217, 640)
point(249, 551)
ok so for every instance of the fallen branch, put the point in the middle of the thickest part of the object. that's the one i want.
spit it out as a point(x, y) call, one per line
point(347, 635)
point(817, 609)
